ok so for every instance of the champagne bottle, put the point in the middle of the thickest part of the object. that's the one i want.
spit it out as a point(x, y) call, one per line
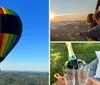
point(72, 61)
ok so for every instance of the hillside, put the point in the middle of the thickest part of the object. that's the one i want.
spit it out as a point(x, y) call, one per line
point(23, 78)
point(66, 30)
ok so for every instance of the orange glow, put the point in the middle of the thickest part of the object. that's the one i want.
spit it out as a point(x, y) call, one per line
point(52, 16)
point(69, 18)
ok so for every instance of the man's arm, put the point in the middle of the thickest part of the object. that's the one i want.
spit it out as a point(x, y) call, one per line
point(94, 33)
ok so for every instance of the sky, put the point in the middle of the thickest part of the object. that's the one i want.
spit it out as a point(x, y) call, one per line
point(81, 7)
point(31, 53)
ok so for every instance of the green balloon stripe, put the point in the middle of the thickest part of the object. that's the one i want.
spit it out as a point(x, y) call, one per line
point(13, 13)
point(9, 11)
point(7, 43)
point(10, 44)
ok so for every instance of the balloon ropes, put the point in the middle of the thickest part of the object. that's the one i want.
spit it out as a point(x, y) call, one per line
point(97, 6)
point(10, 31)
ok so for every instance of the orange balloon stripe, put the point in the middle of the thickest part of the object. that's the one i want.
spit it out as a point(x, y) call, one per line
point(1, 11)
point(7, 11)
point(4, 43)
point(7, 42)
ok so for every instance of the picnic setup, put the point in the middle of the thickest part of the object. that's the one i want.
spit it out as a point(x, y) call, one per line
point(75, 69)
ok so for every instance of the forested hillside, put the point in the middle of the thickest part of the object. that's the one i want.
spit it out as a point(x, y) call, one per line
point(23, 78)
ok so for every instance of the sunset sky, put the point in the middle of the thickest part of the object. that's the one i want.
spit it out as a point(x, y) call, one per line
point(71, 9)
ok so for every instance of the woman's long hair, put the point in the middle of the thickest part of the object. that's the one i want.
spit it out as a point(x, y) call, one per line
point(92, 23)
point(89, 20)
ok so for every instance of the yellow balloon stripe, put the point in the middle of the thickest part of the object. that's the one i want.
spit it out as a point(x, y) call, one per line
point(11, 42)
point(5, 11)
point(8, 43)
point(5, 39)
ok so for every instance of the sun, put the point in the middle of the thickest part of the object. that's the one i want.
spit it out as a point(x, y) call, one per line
point(52, 15)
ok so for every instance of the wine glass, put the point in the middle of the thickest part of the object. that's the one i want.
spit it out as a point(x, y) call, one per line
point(82, 75)
point(76, 76)
point(69, 76)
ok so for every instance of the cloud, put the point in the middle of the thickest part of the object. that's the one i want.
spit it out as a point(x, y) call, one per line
point(69, 17)
point(69, 14)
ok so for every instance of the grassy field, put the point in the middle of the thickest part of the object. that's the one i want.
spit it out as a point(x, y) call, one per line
point(59, 55)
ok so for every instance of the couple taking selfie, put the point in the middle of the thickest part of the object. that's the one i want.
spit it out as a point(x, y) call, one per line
point(93, 20)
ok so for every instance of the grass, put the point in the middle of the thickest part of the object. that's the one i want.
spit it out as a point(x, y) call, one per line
point(59, 55)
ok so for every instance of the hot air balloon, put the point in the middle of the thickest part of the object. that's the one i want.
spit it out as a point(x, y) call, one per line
point(10, 31)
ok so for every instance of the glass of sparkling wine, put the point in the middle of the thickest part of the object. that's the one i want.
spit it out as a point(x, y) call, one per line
point(69, 76)
point(76, 76)
point(81, 74)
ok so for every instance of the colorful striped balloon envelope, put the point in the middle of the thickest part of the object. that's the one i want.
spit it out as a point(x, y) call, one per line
point(10, 31)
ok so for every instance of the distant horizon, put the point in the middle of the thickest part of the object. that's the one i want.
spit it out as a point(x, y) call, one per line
point(23, 71)
point(71, 9)
point(69, 21)
point(69, 18)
